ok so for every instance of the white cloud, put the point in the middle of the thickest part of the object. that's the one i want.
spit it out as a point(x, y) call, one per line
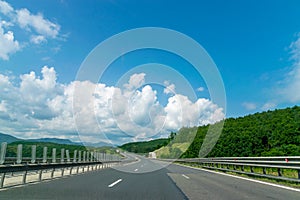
point(249, 105)
point(5, 8)
point(8, 44)
point(200, 89)
point(42, 107)
point(140, 105)
point(6, 24)
point(289, 88)
point(40, 28)
point(170, 88)
point(135, 81)
point(268, 106)
point(37, 39)
point(182, 112)
point(37, 22)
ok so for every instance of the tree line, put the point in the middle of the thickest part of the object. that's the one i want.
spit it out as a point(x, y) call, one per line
point(270, 133)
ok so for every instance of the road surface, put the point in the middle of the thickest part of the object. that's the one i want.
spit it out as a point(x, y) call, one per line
point(138, 181)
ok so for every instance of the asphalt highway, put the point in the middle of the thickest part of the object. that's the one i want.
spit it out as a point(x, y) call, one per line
point(148, 179)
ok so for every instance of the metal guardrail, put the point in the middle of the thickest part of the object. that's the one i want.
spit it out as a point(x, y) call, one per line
point(81, 161)
point(253, 166)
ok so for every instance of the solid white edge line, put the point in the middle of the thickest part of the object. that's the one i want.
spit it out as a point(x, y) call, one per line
point(252, 180)
point(114, 183)
point(136, 170)
point(185, 176)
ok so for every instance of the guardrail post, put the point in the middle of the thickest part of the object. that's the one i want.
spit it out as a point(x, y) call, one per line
point(3, 152)
point(40, 175)
point(19, 154)
point(264, 170)
point(24, 177)
point(75, 156)
point(298, 173)
point(2, 180)
point(79, 156)
point(95, 156)
point(54, 155)
point(68, 155)
point(62, 155)
point(279, 172)
point(52, 173)
point(251, 169)
point(92, 156)
point(33, 154)
point(45, 149)
point(84, 156)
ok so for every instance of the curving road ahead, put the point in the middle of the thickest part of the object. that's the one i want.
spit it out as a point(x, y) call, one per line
point(149, 179)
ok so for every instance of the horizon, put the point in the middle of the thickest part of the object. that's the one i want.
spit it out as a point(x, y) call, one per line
point(48, 91)
point(117, 145)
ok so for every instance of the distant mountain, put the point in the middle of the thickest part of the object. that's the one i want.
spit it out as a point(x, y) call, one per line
point(8, 138)
point(99, 144)
point(55, 140)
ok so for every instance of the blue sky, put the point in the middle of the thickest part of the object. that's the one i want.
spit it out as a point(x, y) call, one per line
point(254, 44)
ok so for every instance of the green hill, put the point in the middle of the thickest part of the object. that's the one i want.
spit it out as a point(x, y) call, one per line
point(271, 133)
point(8, 138)
point(178, 144)
point(144, 147)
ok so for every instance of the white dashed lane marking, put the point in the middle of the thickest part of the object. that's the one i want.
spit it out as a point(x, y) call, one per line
point(185, 176)
point(115, 183)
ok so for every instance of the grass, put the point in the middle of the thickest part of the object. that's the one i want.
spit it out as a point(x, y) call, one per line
point(166, 151)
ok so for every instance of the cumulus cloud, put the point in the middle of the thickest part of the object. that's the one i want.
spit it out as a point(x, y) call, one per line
point(170, 88)
point(5, 8)
point(40, 28)
point(37, 39)
point(39, 106)
point(135, 81)
point(180, 111)
point(140, 105)
point(8, 44)
point(37, 22)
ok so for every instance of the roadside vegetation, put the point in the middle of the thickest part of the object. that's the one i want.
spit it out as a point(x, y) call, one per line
point(145, 147)
point(270, 133)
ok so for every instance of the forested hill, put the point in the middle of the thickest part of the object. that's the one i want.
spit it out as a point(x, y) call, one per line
point(271, 133)
point(144, 147)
